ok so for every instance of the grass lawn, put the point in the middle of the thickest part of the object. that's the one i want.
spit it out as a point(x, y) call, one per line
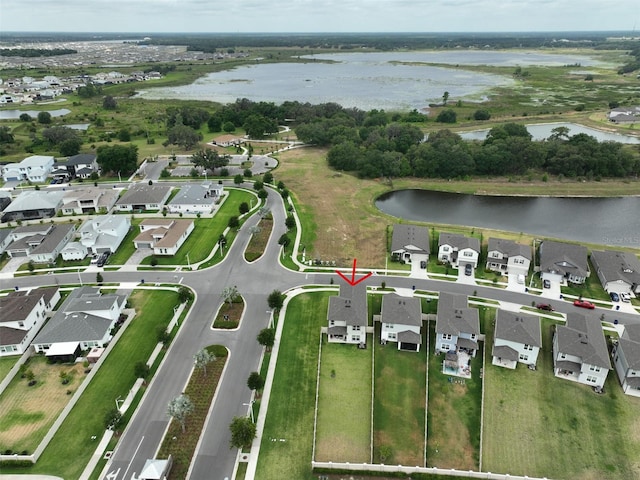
point(259, 240)
point(25, 417)
point(292, 404)
point(72, 441)
point(6, 364)
point(399, 405)
point(453, 415)
point(558, 428)
point(126, 248)
point(344, 404)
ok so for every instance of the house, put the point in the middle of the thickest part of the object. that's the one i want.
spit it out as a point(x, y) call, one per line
point(517, 339)
point(507, 256)
point(84, 320)
point(457, 249)
point(74, 251)
point(624, 114)
point(80, 166)
point(144, 197)
point(35, 169)
point(40, 243)
point(626, 359)
point(32, 205)
point(164, 235)
point(410, 243)
point(227, 141)
point(401, 319)
point(561, 262)
point(5, 200)
point(347, 315)
point(23, 313)
point(617, 271)
point(194, 198)
point(5, 239)
point(457, 325)
point(580, 351)
point(104, 233)
point(88, 200)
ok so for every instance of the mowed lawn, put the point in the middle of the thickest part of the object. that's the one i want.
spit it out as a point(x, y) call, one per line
point(287, 440)
point(6, 364)
point(399, 405)
point(540, 425)
point(344, 404)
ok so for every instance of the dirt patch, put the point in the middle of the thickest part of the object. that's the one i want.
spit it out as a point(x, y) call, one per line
point(336, 448)
point(229, 315)
point(27, 412)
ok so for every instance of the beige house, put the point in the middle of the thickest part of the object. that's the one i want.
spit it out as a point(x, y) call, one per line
point(164, 236)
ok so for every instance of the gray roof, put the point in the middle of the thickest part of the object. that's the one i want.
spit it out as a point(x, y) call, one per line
point(81, 159)
point(583, 337)
point(411, 238)
point(35, 200)
point(11, 336)
point(4, 233)
point(53, 238)
point(459, 242)
point(518, 328)
point(455, 317)
point(15, 308)
point(144, 194)
point(613, 265)
point(629, 343)
point(192, 194)
point(350, 306)
point(564, 258)
point(509, 248)
point(401, 310)
point(502, 351)
point(408, 336)
point(47, 238)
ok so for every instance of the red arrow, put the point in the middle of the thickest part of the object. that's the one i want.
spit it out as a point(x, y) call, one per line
point(353, 282)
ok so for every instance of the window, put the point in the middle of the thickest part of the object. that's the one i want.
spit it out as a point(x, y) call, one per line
point(591, 379)
point(355, 338)
point(593, 368)
point(528, 347)
point(446, 336)
point(391, 336)
point(473, 336)
point(524, 357)
point(445, 248)
point(332, 323)
point(562, 355)
point(390, 326)
point(468, 254)
point(21, 324)
point(518, 260)
point(356, 328)
point(445, 346)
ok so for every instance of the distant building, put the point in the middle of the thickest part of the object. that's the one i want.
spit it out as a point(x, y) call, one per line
point(144, 197)
point(194, 198)
point(410, 243)
point(33, 204)
point(40, 243)
point(34, 169)
point(165, 236)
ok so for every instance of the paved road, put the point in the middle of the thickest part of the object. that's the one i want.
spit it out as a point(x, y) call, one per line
point(215, 460)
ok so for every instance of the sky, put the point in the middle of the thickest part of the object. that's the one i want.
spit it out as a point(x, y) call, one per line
point(248, 16)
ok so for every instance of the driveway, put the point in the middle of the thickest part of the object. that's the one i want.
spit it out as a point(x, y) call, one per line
point(466, 279)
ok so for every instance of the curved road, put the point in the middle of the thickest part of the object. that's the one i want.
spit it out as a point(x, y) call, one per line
point(214, 459)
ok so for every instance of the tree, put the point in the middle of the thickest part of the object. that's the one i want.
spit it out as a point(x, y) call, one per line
point(179, 408)
point(447, 116)
point(267, 337)
point(25, 117)
point(243, 208)
point(70, 147)
point(44, 118)
point(255, 381)
point(290, 222)
point(184, 136)
point(481, 114)
point(99, 278)
point(284, 240)
point(228, 127)
point(141, 370)
point(243, 431)
point(238, 179)
point(258, 185)
point(118, 158)
point(263, 212)
point(184, 294)
point(234, 222)
point(5, 135)
point(202, 358)
point(112, 419)
point(31, 266)
point(445, 98)
point(124, 135)
point(209, 159)
point(109, 103)
point(262, 194)
point(275, 300)
point(154, 261)
point(248, 173)
point(57, 135)
point(229, 294)
point(267, 177)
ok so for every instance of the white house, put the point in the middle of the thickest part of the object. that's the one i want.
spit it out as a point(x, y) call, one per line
point(40, 243)
point(74, 251)
point(457, 325)
point(580, 351)
point(507, 256)
point(33, 204)
point(517, 339)
point(401, 319)
point(88, 200)
point(618, 271)
point(410, 243)
point(35, 169)
point(142, 196)
point(193, 199)
point(347, 315)
point(164, 235)
point(104, 233)
point(626, 359)
point(458, 250)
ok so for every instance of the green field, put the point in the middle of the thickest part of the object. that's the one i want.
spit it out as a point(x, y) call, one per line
point(344, 404)
point(6, 364)
point(399, 405)
point(540, 425)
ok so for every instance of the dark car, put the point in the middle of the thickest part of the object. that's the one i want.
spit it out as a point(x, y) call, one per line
point(614, 296)
point(423, 264)
point(584, 304)
point(544, 306)
point(468, 269)
point(546, 284)
point(103, 259)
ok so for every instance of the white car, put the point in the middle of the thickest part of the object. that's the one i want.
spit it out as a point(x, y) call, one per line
point(625, 297)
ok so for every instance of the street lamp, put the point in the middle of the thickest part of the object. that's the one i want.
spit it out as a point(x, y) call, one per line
point(79, 277)
point(188, 262)
point(121, 402)
point(270, 313)
point(250, 405)
point(119, 177)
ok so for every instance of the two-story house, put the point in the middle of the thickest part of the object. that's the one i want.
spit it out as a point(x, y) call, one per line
point(40, 243)
point(410, 243)
point(458, 250)
point(580, 351)
point(561, 262)
point(618, 271)
point(507, 256)
point(457, 325)
point(347, 317)
point(164, 235)
point(626, 359)
point(104, 233)
point(88, 200)
point(35, 169)
point(517, 339)
point(401, 319)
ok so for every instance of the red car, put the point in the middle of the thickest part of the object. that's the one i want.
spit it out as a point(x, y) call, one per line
point(584, 304)
point(544, 306)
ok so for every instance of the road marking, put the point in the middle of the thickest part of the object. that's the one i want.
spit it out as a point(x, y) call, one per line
point(112, 475)
point(133, 458)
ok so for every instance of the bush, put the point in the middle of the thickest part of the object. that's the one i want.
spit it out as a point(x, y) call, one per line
point(447, 116)
point(481, 115)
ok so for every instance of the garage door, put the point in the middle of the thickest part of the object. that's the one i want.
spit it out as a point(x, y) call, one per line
point(412, 347)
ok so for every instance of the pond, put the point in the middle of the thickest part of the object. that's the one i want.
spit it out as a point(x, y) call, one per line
point(606, 221)
point(15, 114)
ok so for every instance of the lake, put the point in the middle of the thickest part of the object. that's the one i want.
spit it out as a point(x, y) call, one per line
point(386, 80)
point(606, 221)
point(15, 114)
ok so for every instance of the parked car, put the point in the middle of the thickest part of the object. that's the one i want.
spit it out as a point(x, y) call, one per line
point(423, 264)
point(625, 297)
point(614, 296)
point(521, 278)
point(584, 304)
point(544, 306)
point(95, 259)
point(103, 259)
point(468, 269)
point(546, 284)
